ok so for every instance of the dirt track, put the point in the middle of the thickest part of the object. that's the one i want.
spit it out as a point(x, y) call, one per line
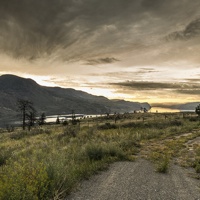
point(139, 181)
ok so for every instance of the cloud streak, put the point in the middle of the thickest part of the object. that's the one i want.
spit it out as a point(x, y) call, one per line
point(146, 85)
point(101, 61)
point(179, 88)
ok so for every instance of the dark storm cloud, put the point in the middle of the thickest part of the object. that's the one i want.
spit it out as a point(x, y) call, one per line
point(189, 92)
point(101, 61)
point(192, 30)
point(82, 29)
point(145, 70)
point(142, 85)
point(126, 75)
point(193, 80)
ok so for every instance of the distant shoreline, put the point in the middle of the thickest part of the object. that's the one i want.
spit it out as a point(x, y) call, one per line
point(167, 110)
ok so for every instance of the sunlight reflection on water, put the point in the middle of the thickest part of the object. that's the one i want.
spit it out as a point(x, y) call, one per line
point(163, 110)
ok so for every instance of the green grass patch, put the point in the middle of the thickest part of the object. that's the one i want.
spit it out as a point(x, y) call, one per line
point(161, 161)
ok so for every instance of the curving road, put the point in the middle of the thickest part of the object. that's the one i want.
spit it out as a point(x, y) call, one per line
point(138, 181)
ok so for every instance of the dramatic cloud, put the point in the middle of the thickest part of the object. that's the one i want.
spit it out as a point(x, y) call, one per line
point(155, 86)
point(89, 43)
point(80, 29)
point(101, 61)
point(153, 90)
point(192, 30)
point(190, 92)
point(195, 80)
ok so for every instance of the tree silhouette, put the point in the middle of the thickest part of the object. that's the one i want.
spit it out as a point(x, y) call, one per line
point(197, 110)
point(27, 110)
point(58, 120)
point(31, 117)
point(42, 119)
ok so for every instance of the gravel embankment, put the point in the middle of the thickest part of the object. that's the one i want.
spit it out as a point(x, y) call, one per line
point(138, 181)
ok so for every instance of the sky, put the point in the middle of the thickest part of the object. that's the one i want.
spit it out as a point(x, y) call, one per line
point(137, 50)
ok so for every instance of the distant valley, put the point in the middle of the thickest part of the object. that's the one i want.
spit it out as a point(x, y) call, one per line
point(55, 100)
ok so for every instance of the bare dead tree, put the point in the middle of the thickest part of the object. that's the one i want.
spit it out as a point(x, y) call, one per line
point(27, 110)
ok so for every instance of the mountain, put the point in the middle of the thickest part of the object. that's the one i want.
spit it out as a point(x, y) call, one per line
point(55, 100)
point(190, 106)
point(187, 106)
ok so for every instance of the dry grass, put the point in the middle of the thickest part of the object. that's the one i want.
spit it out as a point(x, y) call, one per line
point(49, 161)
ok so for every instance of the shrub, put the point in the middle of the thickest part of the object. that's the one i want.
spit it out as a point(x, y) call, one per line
point(65, 123)
point(193, 119)
point(98, 152)
point(117, 152)
point(18, 135)
point(108, 126)
point(24, 180)
point(95, 152)
point(196, 163)
point(129, 144)
point(176, 123)
point(163, 165)
point(161, 161)
point(197, 168)
point(71, 131)
point(4, 157)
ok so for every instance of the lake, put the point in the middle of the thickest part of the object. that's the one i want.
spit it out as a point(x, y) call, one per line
point(167, 110)
point(52, 118)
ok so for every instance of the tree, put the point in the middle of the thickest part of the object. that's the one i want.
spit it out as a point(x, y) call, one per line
point(31, 118)
point(197, 110)
point(58, 120)
point(42, 119)
point(27, 110)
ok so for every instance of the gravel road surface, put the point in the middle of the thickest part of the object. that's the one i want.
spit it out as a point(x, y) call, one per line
point(138, 181)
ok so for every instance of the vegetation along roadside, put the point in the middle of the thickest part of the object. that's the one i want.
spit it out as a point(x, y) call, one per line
point(47, 162)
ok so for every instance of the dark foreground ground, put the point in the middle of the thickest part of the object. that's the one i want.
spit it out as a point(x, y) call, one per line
point(139, 181)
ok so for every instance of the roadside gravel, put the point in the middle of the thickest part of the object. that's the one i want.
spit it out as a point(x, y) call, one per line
point(138, 181)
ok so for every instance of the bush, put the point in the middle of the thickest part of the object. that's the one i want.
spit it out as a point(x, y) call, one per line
point(24, 180)
point(197, 168)
point(71, 131)
point(108, 126)
point(117, 152)
point(176, 123)
point(163, 165)
point(4, 157)
point(193, 119)
point(129, 144)
point(18, 135)
point(161, 161)
point(98, 152)
point(65, 123)
point(196, 164)
point(95, 152)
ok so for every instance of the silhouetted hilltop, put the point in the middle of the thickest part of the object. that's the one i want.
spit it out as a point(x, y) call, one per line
point(187, 106)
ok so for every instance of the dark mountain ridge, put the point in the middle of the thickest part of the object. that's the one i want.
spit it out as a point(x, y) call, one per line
point(186, 106)
point(56, 100)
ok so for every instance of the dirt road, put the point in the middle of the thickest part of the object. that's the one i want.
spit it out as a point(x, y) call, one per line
point(138, 181)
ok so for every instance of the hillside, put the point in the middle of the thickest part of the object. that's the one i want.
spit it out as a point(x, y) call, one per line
point(187, 106)
point(55, 100)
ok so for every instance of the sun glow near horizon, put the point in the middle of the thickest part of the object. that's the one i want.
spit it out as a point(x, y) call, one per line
point(98, 88)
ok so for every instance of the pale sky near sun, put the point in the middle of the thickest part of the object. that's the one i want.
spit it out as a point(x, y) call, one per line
point(137, 50)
